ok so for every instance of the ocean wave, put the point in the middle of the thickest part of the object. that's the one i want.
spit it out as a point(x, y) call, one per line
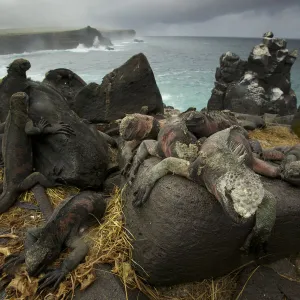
point(166, 97)
point(79, 49)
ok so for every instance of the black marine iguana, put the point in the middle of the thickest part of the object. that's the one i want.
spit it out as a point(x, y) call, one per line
point(225, 165)
point(44, 245)
point(17, 152)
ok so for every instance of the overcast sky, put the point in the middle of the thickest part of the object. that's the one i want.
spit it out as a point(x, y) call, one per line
point(159, 17)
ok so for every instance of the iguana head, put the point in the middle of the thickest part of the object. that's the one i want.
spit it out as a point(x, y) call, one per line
point(18, 102)
point(138, 127)
point(291, 172)
point(41, 254)
point(19, 66)
point(240, 192)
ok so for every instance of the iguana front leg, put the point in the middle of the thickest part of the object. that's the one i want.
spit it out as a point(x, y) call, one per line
point(256, 241)
point(30, 129)
point(127, 151)
point(54, 277)
point(59, 128)
point(146, 148)
point(168, 165)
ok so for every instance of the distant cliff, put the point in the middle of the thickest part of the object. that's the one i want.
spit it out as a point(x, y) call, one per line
point(118, 34)
point(19, 43)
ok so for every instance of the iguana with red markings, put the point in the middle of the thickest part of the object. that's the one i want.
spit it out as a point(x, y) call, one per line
point(64, 229)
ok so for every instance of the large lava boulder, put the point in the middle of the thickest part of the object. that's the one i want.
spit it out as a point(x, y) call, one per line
point(66, 82)
point(260, 85)
point(108, 286)
point(123, 91)
point(182, 233)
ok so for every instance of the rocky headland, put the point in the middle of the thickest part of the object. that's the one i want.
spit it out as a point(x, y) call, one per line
point(55, 40)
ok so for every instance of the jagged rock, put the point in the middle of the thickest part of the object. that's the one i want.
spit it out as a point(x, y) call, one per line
point(268, 34)
point(182, 234)
point(66, 82)
point(123, 91)
point(262, 85)
point(107, 287)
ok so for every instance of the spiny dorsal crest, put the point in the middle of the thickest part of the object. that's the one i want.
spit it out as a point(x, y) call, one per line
point(237, 150)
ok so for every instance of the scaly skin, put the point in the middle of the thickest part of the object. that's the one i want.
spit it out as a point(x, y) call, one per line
point(17, 152)
point(138, 127)
point(206, 123)
point(199, 124)
point(44, 245)
point(225, 167)
point(174, 140)
point(291, 165)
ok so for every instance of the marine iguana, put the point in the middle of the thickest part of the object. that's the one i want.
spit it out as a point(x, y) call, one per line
point(44, 245)
point(177, 131)
point(206, 123)
point(291, 165)
point(17, 152)
point(174, 140)
point(13, 82)
point(133, 129)
point(225, 165)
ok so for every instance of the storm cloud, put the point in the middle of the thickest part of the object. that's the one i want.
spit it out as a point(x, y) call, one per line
point(159, 17)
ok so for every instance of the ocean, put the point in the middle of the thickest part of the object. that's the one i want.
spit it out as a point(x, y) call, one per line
point(184, 67)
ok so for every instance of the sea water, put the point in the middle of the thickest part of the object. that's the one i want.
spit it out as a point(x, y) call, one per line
point(184, 67)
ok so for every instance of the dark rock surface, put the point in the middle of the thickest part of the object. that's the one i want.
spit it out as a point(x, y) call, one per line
point(19, 43)
point(260, 85)
point(266, 283)
point(107, 287)
point(123, 91)
point(182, 233)
point(66, 82)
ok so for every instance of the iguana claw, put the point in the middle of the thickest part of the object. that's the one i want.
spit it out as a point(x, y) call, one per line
point(12, 261)
point(254, 244)
point(42, 124)
point(126, 168)
point(51, 278)
point(141, 195)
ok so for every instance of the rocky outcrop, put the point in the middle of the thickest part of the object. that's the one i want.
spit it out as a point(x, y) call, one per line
point(123, 91)
point(260, 85)
point(182, 234)
point(66, 82)
point(19, 43)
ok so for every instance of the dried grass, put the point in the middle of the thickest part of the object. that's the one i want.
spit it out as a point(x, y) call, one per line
point(111, 243)
point(273, 136)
